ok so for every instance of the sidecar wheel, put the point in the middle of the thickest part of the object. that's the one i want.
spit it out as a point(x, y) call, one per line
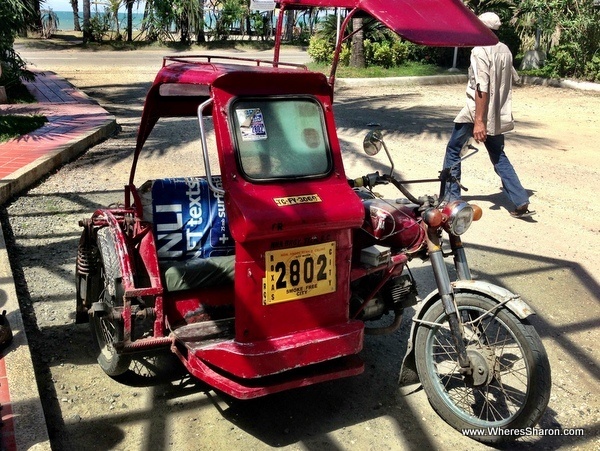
point(106, 329)
point(510, 387)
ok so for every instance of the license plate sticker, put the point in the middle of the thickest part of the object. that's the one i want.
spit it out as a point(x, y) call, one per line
point(299, 272)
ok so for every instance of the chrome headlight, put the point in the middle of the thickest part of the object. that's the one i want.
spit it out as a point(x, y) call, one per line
point(460, 216)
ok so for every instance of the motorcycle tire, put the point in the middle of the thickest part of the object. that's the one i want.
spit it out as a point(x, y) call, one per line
point(510, 387)
point(107, 330)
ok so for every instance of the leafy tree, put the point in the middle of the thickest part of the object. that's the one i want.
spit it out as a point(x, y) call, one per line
point(158, 17)
point(568, 30)
point(13, 16)
point(100, 25)
point(50, 22)
point(372, 43)
point(260, 24)
point(310, 17)
point(112, 10)
point(232, 12)
point(32, 16)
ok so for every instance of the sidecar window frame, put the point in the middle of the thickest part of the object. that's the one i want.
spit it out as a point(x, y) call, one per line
point(262, 147)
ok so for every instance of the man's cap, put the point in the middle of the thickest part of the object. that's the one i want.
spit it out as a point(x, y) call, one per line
point(490, 20)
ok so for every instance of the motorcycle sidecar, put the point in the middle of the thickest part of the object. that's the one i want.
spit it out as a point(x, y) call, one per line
point(267, 308)
point(245, 275)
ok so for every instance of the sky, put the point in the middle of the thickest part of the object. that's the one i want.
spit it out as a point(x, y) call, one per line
point(58, 5)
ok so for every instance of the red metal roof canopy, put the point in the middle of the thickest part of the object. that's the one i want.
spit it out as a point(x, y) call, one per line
point(440, 23)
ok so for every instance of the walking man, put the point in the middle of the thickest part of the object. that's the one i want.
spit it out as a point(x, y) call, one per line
point(487, 115)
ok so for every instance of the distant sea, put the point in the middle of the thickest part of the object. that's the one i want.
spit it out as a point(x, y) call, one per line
point(65, 20)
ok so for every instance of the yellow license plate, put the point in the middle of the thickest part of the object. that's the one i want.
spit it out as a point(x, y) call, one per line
point(299, 272)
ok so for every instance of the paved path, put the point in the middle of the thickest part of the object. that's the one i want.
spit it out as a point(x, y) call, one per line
point(75, 122)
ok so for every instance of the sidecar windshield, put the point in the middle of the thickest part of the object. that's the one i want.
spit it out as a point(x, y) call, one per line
point(280, 138)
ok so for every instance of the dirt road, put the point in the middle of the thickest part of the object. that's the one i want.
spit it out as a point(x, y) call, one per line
point(551, 260)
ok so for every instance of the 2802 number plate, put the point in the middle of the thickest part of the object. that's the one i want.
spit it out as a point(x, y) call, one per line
point(299, 272)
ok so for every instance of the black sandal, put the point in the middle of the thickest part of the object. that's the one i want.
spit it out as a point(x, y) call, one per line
point(522, 212)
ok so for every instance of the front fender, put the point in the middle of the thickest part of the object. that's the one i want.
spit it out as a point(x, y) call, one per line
point(513, 302)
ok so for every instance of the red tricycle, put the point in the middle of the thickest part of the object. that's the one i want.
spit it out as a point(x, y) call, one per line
point(261, 275)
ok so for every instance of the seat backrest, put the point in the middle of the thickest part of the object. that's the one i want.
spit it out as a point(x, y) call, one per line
point(189, 220)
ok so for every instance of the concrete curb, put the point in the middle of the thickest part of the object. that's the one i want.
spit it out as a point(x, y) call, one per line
point(341, 83)
point(569, 84)
point(24, 409)
point(401, 81)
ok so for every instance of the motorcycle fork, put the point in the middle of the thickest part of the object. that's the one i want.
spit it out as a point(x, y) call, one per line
point(460, 258)
point(442, 278)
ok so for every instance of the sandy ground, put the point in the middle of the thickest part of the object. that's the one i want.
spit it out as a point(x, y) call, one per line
point(550, 259)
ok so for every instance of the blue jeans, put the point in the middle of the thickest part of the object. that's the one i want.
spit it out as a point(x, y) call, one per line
point(495, 147)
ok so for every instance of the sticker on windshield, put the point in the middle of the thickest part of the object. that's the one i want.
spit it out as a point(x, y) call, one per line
point(252, 124)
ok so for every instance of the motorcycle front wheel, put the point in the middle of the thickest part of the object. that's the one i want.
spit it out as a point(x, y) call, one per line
point(106, 329)
point(510, 386)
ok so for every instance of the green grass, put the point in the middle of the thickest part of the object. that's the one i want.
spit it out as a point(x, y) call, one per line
point(15, 126)
point(410, 69)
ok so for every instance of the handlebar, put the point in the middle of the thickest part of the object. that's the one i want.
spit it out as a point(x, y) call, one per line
point(373, 179)
point(446, 173)
point(368, 181)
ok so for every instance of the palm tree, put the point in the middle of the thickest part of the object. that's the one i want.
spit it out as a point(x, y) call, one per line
point(290, 19)
point(50, 23)
point(16, 16)
point(75, 6)
point(357, 54)
point(200, 35)
point(87, 32)
point(129, 6)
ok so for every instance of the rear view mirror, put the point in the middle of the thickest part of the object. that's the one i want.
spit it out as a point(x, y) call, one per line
point(372, 142)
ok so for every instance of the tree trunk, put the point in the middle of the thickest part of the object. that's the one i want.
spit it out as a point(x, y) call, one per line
point(248, 25)
point(129, 6)
point(184, 29)
point(76, 24)
point(200, 35)
point(87, 32)
point(357, 53)
point(288, 34)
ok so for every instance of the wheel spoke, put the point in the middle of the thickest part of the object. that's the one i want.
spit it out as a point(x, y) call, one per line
point(107, 329)
point(485, 334)
point(509, 386)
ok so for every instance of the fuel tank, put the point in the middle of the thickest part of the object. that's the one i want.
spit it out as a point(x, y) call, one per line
point(394, 223)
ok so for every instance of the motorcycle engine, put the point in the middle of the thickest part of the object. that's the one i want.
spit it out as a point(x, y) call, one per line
point(398, 293)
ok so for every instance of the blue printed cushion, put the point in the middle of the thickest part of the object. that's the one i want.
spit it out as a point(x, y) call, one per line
point(189, 220)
